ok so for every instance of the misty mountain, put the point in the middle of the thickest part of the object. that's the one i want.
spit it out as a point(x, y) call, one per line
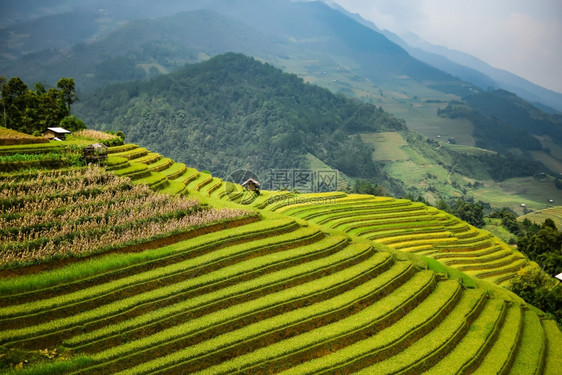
point(142, 48)
point(279, 31)
point(49, 32)
point(315, 30)
point(30, 26)
point(15, 13)
point(466, 67)
point(441, 62)
point(477, 72)
point(37, 38)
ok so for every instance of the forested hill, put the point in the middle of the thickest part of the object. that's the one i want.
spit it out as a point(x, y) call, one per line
point(503, 122)
point(234, 112)
point(518, 113)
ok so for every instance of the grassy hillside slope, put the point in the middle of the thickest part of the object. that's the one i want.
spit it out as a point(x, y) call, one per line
point(538, 217)
point(268, 292)
point(12, 137)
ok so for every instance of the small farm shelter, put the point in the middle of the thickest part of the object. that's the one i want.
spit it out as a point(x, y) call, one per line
point(559, 277)
point(59, 133)
point(251, 185)
point(95, 153)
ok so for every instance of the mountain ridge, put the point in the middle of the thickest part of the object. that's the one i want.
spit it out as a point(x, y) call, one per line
point(329, 36)
point(466, 67)
point(477, 71)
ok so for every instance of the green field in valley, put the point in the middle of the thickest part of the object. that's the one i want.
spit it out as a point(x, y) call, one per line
point(538, 217)
point(388, 146)
point(534, 193)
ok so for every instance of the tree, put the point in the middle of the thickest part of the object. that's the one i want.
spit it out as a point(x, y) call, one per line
point(528, 226)
point(365, 187)
point(72, 123)
point(508, 218)
point(14, 101)
point(443, 206)
point(39, 88)
point(472, 213)
point(4, 115)
point(32, 111)
point(543, 246)
point(529, 279)
point(538, 289)
point(67, 96)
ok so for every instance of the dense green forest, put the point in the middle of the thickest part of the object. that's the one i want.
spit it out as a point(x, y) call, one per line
point(503, 121)
point(490, 132)
point(234, 112)
point(32, 111)
point(542, 244)
point(519, 114)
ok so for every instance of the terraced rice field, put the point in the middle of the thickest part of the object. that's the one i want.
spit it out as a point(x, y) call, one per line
point(413, 227)
point(270, 296)
point(77, 212)
point(12, 137)
point(538, 217)
point(300, 289)
point(160, 173)
point(276, 295)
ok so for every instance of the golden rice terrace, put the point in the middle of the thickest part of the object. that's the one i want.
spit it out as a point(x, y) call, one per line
point(198, 277)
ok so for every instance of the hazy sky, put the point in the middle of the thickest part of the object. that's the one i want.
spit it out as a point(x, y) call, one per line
point(521, 36)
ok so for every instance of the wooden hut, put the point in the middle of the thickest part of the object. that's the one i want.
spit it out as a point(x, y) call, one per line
point(95, 153)
point(251, 185)
point(58, 134)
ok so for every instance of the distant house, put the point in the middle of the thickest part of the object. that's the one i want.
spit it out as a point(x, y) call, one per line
point(251, 185)
point(57, 134)
point(559, 277)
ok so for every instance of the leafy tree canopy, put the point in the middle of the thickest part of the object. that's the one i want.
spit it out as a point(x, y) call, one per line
point(34, 110)
point(472, 213)
point(537, 288)
point(544, 247)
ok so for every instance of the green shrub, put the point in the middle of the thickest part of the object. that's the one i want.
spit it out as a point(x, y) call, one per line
point(113, 142)
point(72, 123)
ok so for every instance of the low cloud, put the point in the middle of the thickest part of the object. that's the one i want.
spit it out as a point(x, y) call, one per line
point(516, 35)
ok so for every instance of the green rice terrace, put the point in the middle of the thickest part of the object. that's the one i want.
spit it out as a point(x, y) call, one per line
point(148, 266)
